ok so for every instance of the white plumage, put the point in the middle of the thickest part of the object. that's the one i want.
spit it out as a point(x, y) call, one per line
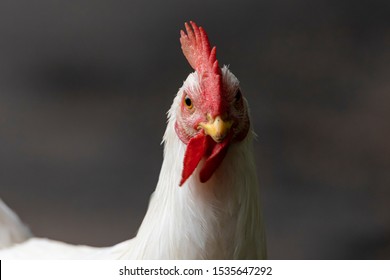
point(12, 230)
point(218, 219)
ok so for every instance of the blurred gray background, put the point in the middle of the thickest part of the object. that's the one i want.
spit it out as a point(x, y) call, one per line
point(85, 87)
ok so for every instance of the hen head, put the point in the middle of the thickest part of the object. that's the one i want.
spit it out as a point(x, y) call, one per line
point(212, 113)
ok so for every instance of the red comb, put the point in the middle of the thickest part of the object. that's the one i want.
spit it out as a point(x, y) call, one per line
point(196, 48)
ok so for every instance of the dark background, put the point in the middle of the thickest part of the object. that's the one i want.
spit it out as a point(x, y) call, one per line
point(85, 85)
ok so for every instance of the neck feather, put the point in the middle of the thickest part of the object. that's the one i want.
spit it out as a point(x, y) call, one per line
point(219, 219)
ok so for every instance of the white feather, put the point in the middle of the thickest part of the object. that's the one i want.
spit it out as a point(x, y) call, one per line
point(219, 219)
point(12, 230)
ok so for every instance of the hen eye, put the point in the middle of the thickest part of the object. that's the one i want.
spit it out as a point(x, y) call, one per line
point(188, 102)
point(237, 97)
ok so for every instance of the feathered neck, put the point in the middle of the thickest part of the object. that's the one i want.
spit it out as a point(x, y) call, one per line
point(219, 219)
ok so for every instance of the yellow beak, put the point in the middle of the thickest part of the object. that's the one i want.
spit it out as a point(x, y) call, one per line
point(217, 128)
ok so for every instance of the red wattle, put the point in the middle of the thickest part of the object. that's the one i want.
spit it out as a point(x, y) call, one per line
point(198, 147)
point(213, 161)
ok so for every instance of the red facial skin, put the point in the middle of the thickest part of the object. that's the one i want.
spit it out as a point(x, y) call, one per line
point(200, 145)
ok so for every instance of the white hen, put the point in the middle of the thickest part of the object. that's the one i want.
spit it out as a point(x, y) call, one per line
point(206, 204)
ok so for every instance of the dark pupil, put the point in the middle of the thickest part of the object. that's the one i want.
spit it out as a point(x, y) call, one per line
point(238, 95)
point(188, 101)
